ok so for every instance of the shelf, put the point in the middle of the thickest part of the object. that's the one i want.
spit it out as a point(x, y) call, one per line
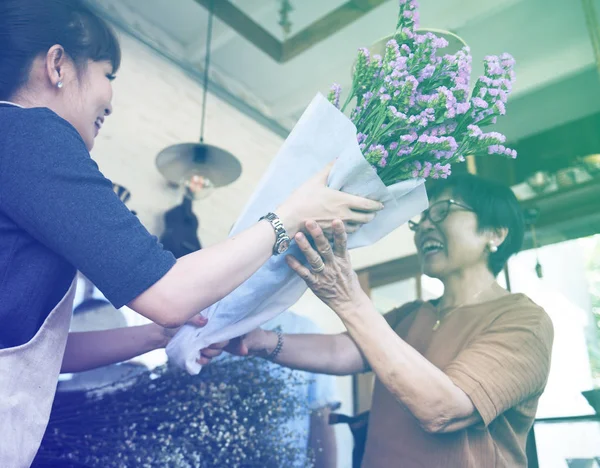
point(566, 214)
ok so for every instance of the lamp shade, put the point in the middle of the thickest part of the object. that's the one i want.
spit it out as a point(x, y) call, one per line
point(180, 162)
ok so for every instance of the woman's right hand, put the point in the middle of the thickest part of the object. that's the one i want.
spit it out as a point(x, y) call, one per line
point(314, 200)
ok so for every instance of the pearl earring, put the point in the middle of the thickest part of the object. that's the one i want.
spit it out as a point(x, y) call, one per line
point(492, 247)
point(59, 84)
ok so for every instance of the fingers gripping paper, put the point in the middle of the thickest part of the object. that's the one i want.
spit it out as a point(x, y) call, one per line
point(321, 135)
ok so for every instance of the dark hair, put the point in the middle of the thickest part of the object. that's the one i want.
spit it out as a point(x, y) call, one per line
point(29, 28)
point(495, 206)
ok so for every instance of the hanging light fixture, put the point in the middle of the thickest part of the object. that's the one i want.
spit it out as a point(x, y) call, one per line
point(284, 17)
point(531, 216)
point(199, 167)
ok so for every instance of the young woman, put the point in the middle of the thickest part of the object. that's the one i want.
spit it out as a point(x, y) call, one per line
point(458, 378)
point(58, 214)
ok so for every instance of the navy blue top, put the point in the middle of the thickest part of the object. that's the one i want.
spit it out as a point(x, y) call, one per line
point(59, 214)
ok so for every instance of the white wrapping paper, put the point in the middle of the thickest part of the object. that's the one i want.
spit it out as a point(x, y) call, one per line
point(321, 135)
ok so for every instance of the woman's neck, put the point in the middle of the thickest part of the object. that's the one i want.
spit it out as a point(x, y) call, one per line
point(471, 286)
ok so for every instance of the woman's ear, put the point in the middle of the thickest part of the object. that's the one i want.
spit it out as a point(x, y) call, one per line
point(56, 59)
point(498, 236)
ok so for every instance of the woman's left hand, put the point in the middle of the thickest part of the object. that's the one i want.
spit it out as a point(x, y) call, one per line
point(329, 275)
point(167, 333)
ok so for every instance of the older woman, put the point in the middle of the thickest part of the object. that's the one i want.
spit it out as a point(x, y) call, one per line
point(458, 378)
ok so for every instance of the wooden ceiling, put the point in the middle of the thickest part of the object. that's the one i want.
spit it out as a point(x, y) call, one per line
point(283, 51)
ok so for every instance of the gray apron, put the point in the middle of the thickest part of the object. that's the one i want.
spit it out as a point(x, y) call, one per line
point(28, 379)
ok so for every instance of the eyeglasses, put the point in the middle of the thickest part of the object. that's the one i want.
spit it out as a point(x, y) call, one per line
point(437, 213)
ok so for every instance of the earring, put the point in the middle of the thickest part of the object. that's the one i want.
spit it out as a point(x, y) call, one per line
point(493, 248)
point(59, 84)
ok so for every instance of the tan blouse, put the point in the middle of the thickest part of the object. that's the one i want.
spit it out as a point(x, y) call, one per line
point(498, 353)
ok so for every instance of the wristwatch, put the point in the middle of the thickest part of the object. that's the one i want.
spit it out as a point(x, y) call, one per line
point(282, 240)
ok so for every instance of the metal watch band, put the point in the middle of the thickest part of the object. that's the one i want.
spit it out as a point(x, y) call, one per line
point(282, 239)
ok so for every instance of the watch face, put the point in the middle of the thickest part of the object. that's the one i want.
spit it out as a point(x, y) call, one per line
point(283, 246)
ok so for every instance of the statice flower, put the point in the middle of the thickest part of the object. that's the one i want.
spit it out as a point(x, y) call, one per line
point(415, 114)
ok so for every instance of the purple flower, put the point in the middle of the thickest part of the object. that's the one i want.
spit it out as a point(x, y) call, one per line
point(385, 97)
point(397, 73)
point(364, 52)
point(393, 145)
point(377, 151)
point(334, 95)
point(404, 151)
point(500, 107)
point(392, 50)
point(463, 108)
point(507, 60)
point(361, 137)
point(410, 137)
point(440, 43)
point(427, 72)
point(424, 118)
point(480, 103)
point(427, 169)
point(495, 136)
point(366, 99)
point(474, 130)
point(493, 149)
point(441, 171)
point(452, 144)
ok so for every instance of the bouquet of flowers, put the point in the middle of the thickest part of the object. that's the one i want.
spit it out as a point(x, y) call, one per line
point(233, 415)
point(412, 118)
point(413, 112)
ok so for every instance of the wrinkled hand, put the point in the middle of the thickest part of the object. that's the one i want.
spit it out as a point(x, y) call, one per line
point(329, 275)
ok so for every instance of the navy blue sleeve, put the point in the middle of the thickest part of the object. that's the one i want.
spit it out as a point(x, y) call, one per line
point(51, 188)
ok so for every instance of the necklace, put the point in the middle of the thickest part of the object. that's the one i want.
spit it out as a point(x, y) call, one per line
point(439, 319)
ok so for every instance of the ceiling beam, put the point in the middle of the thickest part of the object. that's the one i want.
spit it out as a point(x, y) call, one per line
point(222, 36)
point(284, 51)
point(571, 60)
point(327, 26)
point(246, 27)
